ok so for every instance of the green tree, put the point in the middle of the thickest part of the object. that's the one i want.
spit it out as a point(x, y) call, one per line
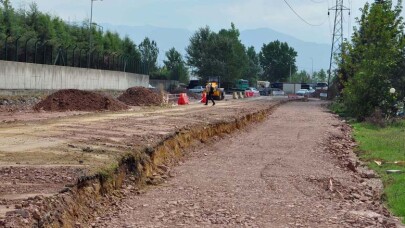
point(201, 53)
point(129, 48)
point(300, 77)
point(319, 76)
point(277, 60)
point(176, 66)
point(253, 70)
point(218, 54)
point(8, 19)
point(149, 53)
point(372, 59)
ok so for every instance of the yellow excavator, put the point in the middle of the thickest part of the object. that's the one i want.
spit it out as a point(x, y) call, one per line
point(219, 93)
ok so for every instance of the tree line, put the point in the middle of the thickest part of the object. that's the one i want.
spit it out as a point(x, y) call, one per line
point(209, 53)
point(373, 62)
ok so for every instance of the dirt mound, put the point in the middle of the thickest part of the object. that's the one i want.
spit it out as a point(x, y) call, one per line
point(140, 96)
point(79, 100)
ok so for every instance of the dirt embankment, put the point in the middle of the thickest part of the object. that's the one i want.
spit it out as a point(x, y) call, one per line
point(92, 195)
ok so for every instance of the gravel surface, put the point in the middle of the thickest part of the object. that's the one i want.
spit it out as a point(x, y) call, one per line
point(277, 173)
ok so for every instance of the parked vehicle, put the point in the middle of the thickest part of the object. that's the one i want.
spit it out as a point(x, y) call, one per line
point(241, 85)
point(193, 83)
point(197, 89)
point(253, 90)
point(311, 90)
point(302, 92)
point(263, 87)
point(277, 92)
point(321, 86)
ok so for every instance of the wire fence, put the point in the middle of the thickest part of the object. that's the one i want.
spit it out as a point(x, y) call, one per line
point(43, 52)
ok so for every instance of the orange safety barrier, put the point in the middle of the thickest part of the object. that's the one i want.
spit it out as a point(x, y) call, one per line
point(183, 99)
point(204, 98)
point(249, 94)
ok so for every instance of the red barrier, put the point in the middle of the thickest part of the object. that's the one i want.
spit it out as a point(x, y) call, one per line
point(204, 98)
point(183, 99)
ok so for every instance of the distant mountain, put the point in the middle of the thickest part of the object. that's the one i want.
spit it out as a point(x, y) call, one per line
point(310, 55)
point(166, 38)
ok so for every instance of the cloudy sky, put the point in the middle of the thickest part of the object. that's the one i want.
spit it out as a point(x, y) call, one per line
point(192, 14)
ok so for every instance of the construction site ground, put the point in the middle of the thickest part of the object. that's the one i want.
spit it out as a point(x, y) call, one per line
point(42, 152)
point(295, 169)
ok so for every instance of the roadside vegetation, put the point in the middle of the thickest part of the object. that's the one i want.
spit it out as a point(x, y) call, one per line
point(209, 53)
point(371, 74)
point(371, 89)
point(384, 149)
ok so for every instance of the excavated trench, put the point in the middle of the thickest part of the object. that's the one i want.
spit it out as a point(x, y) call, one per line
point(79, 204)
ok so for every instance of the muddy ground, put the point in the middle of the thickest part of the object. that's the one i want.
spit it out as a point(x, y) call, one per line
point(41, 153)
point(296, 169)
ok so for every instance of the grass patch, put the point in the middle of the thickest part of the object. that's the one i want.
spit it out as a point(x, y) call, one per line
point(338, 108)
point(386, 145)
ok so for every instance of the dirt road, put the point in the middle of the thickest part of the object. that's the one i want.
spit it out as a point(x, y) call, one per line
point(42, 153)
point(275, 174)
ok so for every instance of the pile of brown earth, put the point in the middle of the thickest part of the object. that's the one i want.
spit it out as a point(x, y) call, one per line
point(79, 100)
point(140, 96)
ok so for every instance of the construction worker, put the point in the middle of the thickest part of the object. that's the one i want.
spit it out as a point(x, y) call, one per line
point(210, 92)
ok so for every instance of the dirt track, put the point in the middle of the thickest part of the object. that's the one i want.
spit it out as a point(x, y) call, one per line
point(276, 174)
point(42, 153)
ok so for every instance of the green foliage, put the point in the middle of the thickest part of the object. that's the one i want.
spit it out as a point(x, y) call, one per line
point(319, 76)
point(253, 70)
point(372, 61)
point(339, 108)
point(277, 60)
point(299, 77)
point(218, 54)
point(149, 53)
point(176, 66)
point(35, 25)
point(160, 74)
point(386, 145)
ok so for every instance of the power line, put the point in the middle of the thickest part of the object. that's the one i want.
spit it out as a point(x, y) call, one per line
point(292, 9)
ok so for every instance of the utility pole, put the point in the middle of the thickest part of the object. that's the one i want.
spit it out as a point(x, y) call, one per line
point(337, 39)
point(312, 67)
point(90, 32)
point(290, 73)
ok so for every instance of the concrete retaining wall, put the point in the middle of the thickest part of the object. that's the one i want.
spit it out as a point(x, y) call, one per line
point(164, 84)
point(28, 76)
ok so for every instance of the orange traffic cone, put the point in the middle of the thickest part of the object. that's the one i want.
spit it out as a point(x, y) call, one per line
point(204, 98)
point(183, 99)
